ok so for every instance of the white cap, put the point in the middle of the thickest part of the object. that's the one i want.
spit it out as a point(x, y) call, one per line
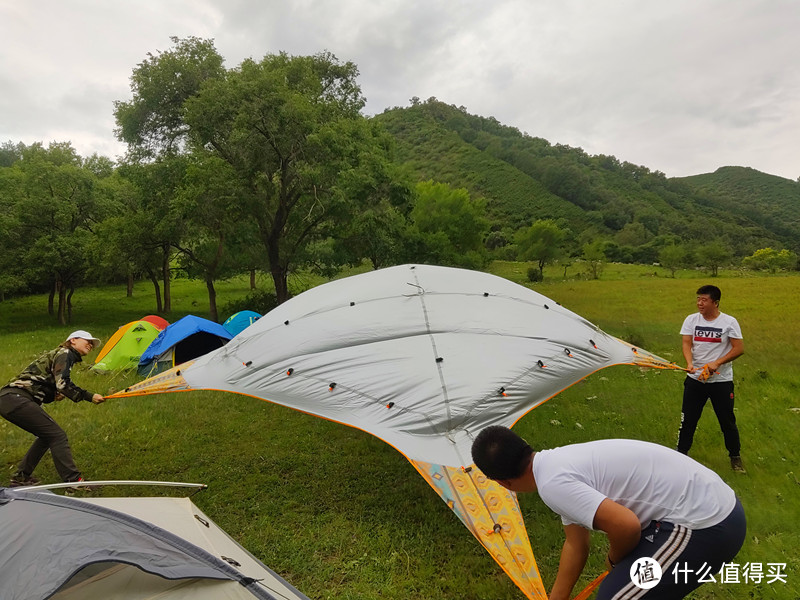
point(84, 335)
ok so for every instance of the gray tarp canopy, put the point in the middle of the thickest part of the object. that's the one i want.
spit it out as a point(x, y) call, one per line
point(67, 548)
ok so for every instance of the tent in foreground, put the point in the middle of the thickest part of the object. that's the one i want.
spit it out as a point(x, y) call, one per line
point(66, 548)
point(124, 349)
point(424, 358)
point(186, 339)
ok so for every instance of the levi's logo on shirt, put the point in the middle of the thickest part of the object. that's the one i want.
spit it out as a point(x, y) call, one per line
point(708, 334)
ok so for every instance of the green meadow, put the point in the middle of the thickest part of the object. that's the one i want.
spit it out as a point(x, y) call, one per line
point(341, 515)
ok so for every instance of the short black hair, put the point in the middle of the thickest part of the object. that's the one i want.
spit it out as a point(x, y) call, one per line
point(712, 291)
point(500, 453)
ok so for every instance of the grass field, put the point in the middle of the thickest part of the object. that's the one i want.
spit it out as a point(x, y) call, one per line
point(342, 515)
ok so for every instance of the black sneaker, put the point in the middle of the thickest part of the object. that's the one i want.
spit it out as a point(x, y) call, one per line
point(20, 479)
point(737, 464)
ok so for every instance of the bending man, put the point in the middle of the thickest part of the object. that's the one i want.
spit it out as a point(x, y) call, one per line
point(649, 500)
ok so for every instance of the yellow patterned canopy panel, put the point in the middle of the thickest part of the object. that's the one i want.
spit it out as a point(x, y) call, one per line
point(492, 514)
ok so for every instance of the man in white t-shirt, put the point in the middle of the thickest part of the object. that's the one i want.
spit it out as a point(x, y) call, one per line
point(712, 340)
point(653, 503)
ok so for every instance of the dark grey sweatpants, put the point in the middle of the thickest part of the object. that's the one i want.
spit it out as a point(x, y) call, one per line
point(686, 557)
point(18, 408)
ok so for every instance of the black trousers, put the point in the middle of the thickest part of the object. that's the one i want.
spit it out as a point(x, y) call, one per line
point(687, 558)
point(20, 409)
point(695, 395)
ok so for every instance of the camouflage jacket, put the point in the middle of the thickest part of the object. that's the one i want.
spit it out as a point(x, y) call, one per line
point(48, 376)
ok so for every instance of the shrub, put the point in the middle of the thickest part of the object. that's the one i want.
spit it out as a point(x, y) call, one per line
point(534, 274)
point(260, 301)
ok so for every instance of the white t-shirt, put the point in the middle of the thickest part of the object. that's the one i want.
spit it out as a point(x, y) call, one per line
point(711, 340)
point(655, 482)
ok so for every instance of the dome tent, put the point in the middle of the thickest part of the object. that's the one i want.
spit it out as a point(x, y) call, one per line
point(65, 548)
point(186, 339)
point(124, 349)
point(160, 322)
point(240, 321)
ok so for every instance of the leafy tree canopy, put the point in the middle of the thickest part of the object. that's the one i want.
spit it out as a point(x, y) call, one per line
point(541, 242)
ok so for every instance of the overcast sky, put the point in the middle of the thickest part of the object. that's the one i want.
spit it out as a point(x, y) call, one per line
point(680, 86)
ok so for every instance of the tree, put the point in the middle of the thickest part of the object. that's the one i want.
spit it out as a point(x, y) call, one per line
point(633, 234)
point(771, 260)
point(378, 230)
point(541, 242)
point(616, 214)
point(10, 153)
point(786, 259)
point(672, 257)
point(151, 225)
point(291, 129)
point(101, 166)
point(55, 204)
point(713, 255)
point(376, 234)
point(567, 180)
point(110, 258)
point(207, 204)
point(11, 239)
point(595, 256)
point(450, 226)
point(152, 122)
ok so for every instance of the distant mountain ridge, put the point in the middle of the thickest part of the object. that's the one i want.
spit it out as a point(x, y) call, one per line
point(767, 199)
point(525, 178)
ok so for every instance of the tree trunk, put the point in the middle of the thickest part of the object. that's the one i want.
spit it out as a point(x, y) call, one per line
point(165, 275)
point(129, 293)
point(53, 289)
point(152, 276)
point(62, 301)
point(212, 300)
point(279, 276)
point(279, 271)
point(252, 279)
point(69, 304)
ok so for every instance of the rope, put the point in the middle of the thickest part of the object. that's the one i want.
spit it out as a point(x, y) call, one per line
point(587, 591)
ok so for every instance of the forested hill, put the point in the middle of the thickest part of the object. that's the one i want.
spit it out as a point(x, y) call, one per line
point(772, 201)
point(524, 178)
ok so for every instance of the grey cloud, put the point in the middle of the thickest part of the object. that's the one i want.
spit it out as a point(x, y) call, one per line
point(683, 87)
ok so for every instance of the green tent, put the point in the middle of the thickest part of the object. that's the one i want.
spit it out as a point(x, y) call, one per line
point(125, 347)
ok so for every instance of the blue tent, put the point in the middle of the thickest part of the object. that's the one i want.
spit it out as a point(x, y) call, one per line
point(186, 339)
point(240, 321)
